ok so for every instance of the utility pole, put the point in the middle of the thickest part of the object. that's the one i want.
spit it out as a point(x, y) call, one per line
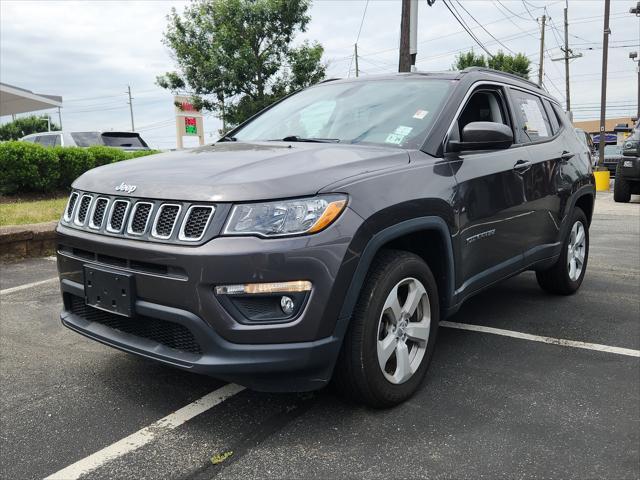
point(603, 94)
point(130, 107)
point(634, 56)
point(355, 53)
point(413, 33)
point(566, 55)
point(60, 118)
point(404, 63)
point(48, 122)
point(541, 70)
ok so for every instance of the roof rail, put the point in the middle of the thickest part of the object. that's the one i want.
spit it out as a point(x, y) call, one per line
point(500, 72)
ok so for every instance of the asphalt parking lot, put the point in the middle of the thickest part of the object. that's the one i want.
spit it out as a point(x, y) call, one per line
point(492, 405)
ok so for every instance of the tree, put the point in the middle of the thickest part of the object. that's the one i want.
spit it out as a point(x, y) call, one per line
point(20, 127)
point(518, 64)
point(235, 57)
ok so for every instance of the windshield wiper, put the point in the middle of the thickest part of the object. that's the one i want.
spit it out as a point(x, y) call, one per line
point(296, 138)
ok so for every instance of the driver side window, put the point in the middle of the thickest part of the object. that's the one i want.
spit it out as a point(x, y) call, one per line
point(483, 106)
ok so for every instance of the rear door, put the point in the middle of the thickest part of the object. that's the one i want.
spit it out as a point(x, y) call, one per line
point(545, 147)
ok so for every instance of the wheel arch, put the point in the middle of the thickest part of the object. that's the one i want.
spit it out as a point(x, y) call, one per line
point(414, 235)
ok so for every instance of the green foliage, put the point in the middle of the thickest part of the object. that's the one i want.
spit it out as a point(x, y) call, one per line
point(236, 56)
point(469, 59)
point(74, 161)
point(27, 167)
point(20, 127)
point(104, 155)
point(517, 64)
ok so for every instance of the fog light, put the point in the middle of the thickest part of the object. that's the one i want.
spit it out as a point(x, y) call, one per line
point(287, 305)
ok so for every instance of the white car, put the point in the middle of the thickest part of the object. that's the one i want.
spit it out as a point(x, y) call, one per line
point(129, 141)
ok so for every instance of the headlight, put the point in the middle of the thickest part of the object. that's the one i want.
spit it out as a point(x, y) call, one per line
point(286, 217)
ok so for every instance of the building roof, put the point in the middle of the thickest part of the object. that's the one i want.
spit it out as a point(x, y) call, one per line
point(593, 126)
point(19, 100)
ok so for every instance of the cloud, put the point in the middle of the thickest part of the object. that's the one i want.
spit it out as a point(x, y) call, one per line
point(89, 52)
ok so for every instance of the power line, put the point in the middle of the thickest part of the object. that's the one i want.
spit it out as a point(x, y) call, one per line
point(483, 28)
point(463, 25)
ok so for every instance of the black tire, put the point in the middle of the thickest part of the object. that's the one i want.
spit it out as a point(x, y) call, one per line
point(556, 279)
point(621, 188)
point(358, 375)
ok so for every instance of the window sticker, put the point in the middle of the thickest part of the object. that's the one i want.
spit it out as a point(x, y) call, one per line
point(398, 135)
point(395, 138)
point(402, 130)
point(420, 114)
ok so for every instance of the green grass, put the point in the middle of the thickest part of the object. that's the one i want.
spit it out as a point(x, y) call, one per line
point(36, 211)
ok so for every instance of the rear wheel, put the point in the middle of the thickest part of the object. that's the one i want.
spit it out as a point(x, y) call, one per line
point(565, 277)
point(621, 188)
point(389, 344)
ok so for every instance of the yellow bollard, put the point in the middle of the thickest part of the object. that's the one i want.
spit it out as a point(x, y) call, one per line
point(602, 180)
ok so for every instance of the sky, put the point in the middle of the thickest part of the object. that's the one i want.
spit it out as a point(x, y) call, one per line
point(90, 51)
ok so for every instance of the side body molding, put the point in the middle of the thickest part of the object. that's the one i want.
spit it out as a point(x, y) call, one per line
point(392, 232)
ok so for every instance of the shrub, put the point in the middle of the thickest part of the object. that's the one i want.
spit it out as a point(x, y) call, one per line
point(27, 167)
point(74, 161)
point(105, 155)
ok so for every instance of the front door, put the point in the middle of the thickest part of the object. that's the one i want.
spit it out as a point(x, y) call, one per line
point(491, 199)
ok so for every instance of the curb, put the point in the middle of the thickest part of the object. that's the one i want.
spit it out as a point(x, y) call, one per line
point(35, 240)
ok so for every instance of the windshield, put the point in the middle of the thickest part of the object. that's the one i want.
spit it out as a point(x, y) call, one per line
point(123, 139)
point(385, 112)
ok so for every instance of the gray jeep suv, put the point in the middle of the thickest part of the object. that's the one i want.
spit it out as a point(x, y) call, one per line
point(328, 235)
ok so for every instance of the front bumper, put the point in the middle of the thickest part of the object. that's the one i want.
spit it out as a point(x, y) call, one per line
point(175, 284)
point(299, 366)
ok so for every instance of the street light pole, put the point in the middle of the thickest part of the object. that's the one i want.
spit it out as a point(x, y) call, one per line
point(603, 94)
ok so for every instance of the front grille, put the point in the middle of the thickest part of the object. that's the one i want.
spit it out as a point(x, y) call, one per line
point(98, 213)
point(169, 334)
point(196, 222)
point(140, 218)
point(72, 203)
point(165, 220)
point(83, 209)
point(118, 212)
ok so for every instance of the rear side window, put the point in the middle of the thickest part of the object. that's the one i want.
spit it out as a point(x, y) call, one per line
point(48, 140)
point(532, 119)
point(86, 139)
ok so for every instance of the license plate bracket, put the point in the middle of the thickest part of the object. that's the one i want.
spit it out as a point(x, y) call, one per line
point(109, 290)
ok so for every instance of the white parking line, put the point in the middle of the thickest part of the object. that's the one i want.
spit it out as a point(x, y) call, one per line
point(7, 291)
point(147, 434)
point(537, 338)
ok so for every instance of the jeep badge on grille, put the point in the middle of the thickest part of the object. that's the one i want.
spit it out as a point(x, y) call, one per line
point(124, 187)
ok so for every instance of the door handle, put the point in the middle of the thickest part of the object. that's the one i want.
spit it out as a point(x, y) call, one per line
point(522, 166)
point(566, 156)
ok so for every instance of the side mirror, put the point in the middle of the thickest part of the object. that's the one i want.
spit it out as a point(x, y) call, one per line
point(483, 136)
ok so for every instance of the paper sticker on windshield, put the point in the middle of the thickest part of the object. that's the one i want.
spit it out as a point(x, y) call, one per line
point(420, 114)
point(395, 138)
point(402, 130)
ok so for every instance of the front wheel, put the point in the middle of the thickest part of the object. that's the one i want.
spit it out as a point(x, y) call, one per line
point(390, 340)
point(621, 188)
point(565, 277)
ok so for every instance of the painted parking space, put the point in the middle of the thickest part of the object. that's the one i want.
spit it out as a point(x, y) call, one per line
point(491, 405)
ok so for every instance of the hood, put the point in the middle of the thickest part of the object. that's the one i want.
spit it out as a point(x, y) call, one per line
point(231, 172)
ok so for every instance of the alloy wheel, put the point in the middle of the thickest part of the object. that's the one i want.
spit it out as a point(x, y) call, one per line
point(403, 330)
